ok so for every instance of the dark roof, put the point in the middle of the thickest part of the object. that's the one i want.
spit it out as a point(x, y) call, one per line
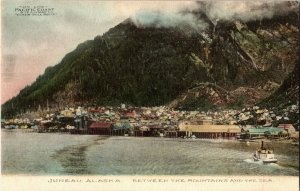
point(101, 125)
point(158, 126)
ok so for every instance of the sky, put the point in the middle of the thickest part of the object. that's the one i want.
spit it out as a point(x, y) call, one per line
point(29, 44)
point(32, 43)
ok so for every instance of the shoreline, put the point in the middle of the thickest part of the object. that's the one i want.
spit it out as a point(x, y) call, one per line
point(214, 140)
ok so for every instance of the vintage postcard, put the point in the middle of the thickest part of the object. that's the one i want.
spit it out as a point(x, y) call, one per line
point(149, 95)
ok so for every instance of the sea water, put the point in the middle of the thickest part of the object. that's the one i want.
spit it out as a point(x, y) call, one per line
point(66, 154)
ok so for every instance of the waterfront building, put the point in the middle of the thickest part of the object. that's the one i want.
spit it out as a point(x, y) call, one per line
point(100, 128)
point(122, 128)
point(263, 132)
point(290, 129)
point(209, 131)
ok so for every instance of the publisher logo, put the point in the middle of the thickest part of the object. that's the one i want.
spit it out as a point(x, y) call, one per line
point(34, 11)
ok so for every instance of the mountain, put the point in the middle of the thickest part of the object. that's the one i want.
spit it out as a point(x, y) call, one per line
point(287, 93)
point(150, 65)
point(207, 96)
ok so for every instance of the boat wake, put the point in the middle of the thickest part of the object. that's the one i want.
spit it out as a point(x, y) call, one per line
point(261, 163)
point(254, 162)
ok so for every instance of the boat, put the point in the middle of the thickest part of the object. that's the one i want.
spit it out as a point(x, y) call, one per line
point(266, 155)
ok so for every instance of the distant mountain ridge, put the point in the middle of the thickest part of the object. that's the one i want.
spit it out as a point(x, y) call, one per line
point(147, 66)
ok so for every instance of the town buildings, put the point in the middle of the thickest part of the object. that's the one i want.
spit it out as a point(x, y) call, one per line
point(162, 121)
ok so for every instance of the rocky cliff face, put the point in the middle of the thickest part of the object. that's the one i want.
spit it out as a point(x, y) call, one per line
point(287, 93)
point(250, 61)
point(144, 65)
point(245, 51)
